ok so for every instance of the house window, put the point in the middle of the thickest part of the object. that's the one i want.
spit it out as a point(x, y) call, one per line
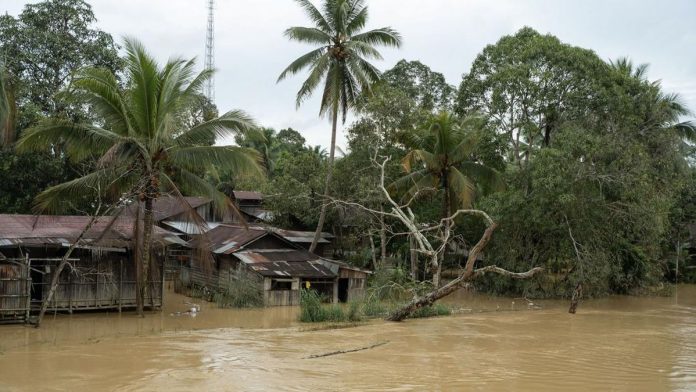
point(281, 284)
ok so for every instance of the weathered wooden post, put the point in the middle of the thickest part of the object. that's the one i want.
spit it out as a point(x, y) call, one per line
point(28, 288)
point(120, 284)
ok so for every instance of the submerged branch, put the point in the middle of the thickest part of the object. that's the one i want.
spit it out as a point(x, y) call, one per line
point(346, 351)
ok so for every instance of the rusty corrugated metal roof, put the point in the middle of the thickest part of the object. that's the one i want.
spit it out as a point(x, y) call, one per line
point(62, 230)
point(226, 239)
point(167, 207)
point(302, 236)
point(285, 263)
point(248, 195)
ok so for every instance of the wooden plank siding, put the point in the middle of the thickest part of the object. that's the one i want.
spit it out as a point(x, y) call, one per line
point(15, 286)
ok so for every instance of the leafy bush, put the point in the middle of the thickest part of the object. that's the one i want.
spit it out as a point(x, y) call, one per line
point(354, 311)
point(313, 310)
point(435, 309)
point(242, 294)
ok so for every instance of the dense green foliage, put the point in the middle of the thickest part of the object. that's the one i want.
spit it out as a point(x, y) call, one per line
point(592, 162)
point(596, 161)
point(594, 165)
point(41, 49)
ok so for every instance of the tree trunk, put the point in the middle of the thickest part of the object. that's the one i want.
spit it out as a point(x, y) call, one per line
point(575, 300)
point(327, 184)
point(467, 275)
point(145, 254)
point(382, 237)
point(374, 252)
point(414, 258)
point(437, 262)
point(450, 287)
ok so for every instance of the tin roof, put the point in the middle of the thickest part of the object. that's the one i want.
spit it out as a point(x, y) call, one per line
point(248, 195)
point(226, 239)
point(284, 263)
point(302, 236)
point(167, 207)
point(62, 230)
point(190, 227)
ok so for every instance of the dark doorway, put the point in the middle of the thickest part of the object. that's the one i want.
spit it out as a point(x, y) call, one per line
point(343, 290)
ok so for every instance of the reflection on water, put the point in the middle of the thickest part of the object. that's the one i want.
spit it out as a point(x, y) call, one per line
point(617, 343)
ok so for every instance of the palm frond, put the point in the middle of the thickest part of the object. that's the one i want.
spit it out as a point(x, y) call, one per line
point(245, 161)
point(100, 183)
point(385, 36)
point(363, 49)
point(99, 87)
point(462, 189)
point(319, 69)
point(79, 141)
point(413, 157)
point(230, 124)
point(301, 62)
point(315, 16)
point(144, 76)
point(357, 19)
point(686, 130)
point(309, 35)
point(489, 179)
point(417, 183)
point(191, 184)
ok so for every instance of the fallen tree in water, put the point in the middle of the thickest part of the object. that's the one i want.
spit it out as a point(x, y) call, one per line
point(424, 236)
point(468, 274)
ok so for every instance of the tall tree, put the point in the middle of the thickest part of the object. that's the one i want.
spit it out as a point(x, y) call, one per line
point(41, 48)
point(140, 146)
point(427, 88)
point(443, 157)
point(341, 61)
point(529, 85)
point(46, 43)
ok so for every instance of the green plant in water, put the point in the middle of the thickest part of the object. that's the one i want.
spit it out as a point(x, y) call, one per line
point(433, 310)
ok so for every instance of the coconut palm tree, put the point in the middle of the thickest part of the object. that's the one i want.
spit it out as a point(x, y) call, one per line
point(340, 62)
point(441, 157)
point(667, 109)
point(140, 145)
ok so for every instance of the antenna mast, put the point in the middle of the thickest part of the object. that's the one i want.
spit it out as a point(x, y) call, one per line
point(210, 51)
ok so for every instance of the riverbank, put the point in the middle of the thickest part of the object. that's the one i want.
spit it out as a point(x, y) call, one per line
point(618, 343)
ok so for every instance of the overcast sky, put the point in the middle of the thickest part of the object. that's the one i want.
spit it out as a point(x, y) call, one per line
point(250, 50)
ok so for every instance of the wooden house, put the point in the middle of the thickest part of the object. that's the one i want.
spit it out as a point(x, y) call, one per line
point(101, 271)
point(280, 267)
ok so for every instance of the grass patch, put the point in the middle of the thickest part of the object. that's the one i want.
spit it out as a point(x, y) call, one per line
point(434, 310)
point(313, 309)
point(243, 292)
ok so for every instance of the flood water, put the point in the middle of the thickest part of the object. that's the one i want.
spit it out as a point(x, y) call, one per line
point(492, 344)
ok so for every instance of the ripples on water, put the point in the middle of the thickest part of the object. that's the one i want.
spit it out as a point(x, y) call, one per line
point(618, 344)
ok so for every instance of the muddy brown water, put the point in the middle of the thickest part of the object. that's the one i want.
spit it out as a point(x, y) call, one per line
point(493, 344)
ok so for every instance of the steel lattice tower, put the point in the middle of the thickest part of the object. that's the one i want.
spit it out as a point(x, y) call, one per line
point(210, 51)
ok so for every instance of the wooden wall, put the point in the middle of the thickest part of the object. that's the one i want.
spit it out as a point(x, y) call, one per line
point(95, 279)
point(14, 291)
